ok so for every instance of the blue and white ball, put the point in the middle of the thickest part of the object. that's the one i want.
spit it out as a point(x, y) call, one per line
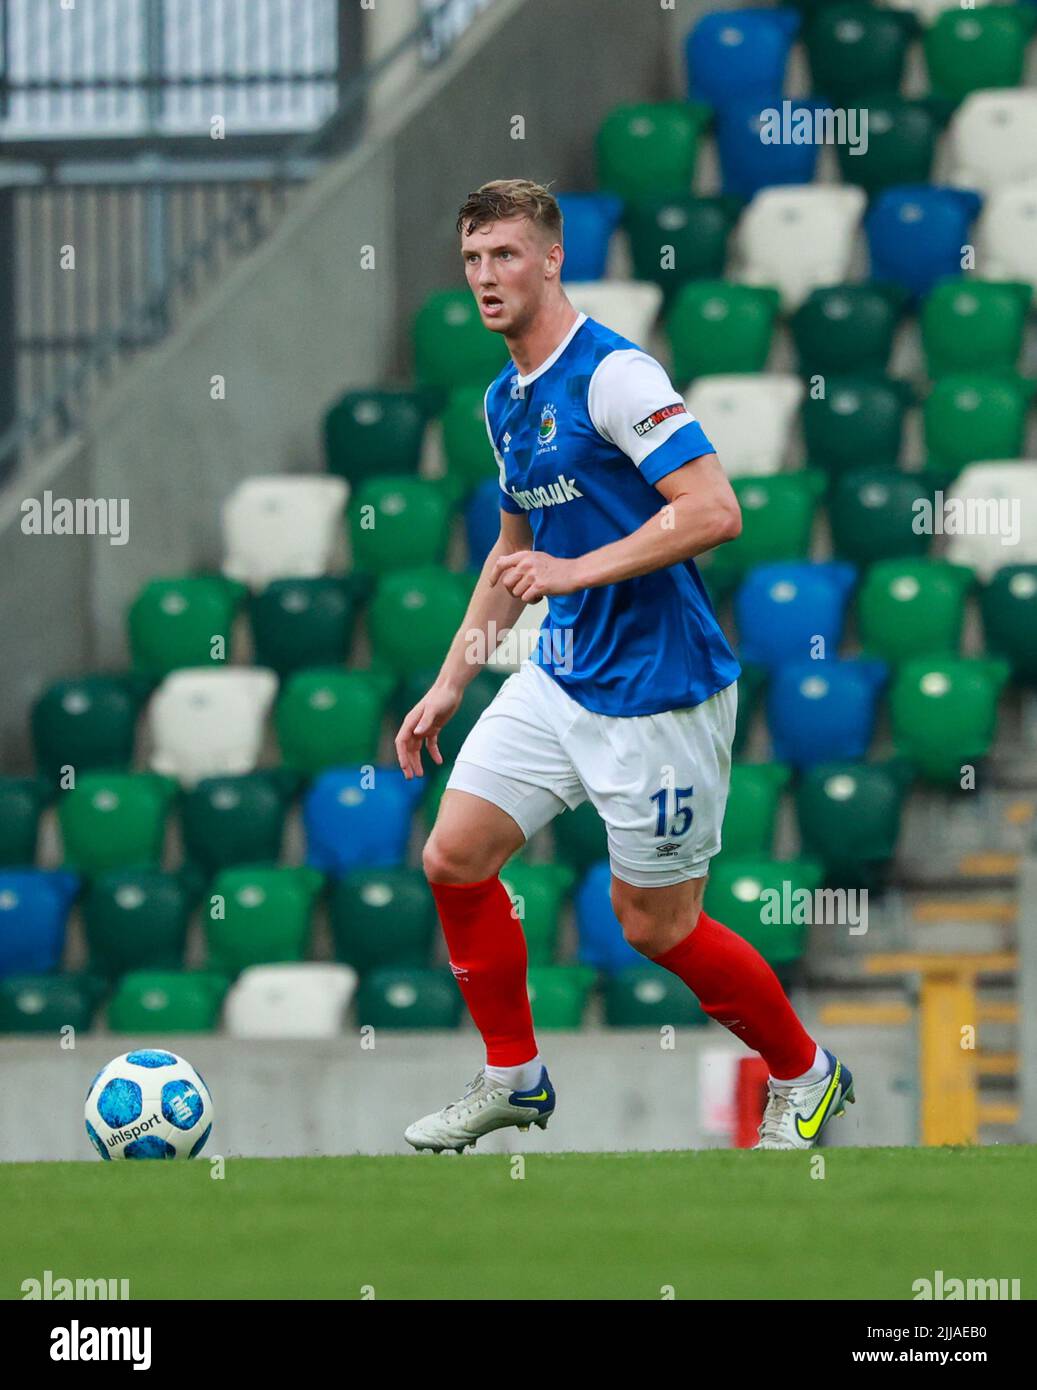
point(148, 1104)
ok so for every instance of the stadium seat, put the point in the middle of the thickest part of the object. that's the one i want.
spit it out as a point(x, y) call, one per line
point(111, 820)
point(451, 346)
point(716, 326)
point(754, 153)
point(752, 807)
point(282, 526)
point(929, 11)
point(777, 523)
point(679, 238)
point(858, 420)
point(784, 611)
point(909, 607)
point(414, 615)
point(588, 219)
point(602, 944)
point(236, 820)
point(396, 522)
point(32, 1003)
point(182, 622)
point(435, 778)
point(580, 836)
point(872, 514)
point(649, 148)
point(259, 916)
point(1008, 234)
point(34, 907)
point(842, 329)
point(374, 431)
point(86, 723)
point(558, 995)
point(383, 917)
point(482, 522)
point(647, 996)
point(968, 417)
point(995, 510)
point(799, 238)
point(466, 444)
point(944, 712)
point(22, 800)
point(537, 893)
point(136, 919)
point(478, 694)
point(629, 307)
point(357, 816)
point(329, 718)
point(752, 684)
point(971, 49)
point(993, 139)
point(855, 49)
point(756, 897)
point(901, 142)
point(849, 818)
point(521, 640)
point(739, 53)
point(408, 999)
point(167, 1001)
point(298, 623)
point(207, 722)
point(974, 325)
point(1008, 604)
point(300, 1000)
point(818, 711)
point(916, 234)
point(748, 418)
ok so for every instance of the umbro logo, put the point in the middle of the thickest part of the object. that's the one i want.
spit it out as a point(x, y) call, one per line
point(666, 851)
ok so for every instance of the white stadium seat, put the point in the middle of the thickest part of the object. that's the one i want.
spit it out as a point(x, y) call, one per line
point(798, 238)
point(294, 1000)
point(1007, 234)
point(993, 139)
point(209, 722)
point(929, 11)
point(521, 639)
point(748, 417)
point(994, 498)
point(283, 527)
point(629, 307)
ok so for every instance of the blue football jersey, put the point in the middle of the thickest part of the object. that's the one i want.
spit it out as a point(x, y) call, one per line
point(580, 443)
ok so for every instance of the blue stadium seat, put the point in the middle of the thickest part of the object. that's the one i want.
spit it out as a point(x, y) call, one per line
point(482, 521)
point(34, 907)
point(746, 161)
point(821, 711)
point(782, 609)
point(350, 826)
point(739, 53)
point(916, 232)
point(601, 940)
point(589, 220)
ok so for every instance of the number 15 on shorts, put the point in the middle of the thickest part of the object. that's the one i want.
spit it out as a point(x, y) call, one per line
point(682, 814)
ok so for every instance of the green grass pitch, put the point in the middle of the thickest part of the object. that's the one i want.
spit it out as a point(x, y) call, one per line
point(713, 1225)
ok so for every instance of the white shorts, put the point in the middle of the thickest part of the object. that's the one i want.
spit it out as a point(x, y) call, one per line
point(658, 781)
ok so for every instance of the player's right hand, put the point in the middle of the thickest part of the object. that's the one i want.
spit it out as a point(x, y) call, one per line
point(422, 725)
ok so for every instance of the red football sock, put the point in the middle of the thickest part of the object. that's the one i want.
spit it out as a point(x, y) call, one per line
point(737, 987)
point(488, 957)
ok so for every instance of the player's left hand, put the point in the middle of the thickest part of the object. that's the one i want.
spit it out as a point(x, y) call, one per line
point(533, 574)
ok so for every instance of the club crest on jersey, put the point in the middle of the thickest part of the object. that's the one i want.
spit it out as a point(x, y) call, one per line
point(548, 425)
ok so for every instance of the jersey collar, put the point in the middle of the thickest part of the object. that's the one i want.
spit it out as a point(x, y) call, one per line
point(524, 381)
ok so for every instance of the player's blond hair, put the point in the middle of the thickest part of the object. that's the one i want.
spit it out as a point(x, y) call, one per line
point(511, 198)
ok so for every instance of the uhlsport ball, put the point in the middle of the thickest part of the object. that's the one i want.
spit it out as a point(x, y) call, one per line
point(148, 1104)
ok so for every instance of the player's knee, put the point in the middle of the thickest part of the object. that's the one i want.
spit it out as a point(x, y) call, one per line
point(446, 859)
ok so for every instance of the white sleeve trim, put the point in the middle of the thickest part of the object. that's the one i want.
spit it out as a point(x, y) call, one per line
point(626, 388)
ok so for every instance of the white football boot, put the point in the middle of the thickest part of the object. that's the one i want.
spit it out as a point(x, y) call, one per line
point(485, 1106)
point(796, 1115)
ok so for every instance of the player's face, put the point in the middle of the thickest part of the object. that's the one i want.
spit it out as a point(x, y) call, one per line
point(509, 265)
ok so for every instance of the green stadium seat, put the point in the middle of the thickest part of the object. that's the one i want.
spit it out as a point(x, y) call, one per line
point(137, 919)
point(580, 836)
point(902, 137)
point(397, 523)
point(255, 915)
point(841, 329)
point(466, 444)
point(298, 623)
point(405, 999)
point(859, 420)
point(437, 778)
point(233, 820)
point(22, 800)
point(849, 818)
point(480, 692)
point(329, 718)
point(855, 49)
point(972, 418)
point(944, 712)
point(375, 431)
point(174, 623)
point(167, 1001)
point(650, 148)
point(974, 326)
point(777, 521)
point(48, 1003)
point(757, 897)
point(451, 346)
point(751, 685)
point(752, 808)
point(112, 820)
point(1008, 604)
point(871, 513)
point(647, 996)
point(715, 326)
point(86, 723)
point(971, 49)
point(558, 995)
point(383, 917)
point(537, 892)
point(680, 238)
point(415, 614)
point(909, 607)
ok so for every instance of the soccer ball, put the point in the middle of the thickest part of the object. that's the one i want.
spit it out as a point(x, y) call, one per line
point(148, 1104)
